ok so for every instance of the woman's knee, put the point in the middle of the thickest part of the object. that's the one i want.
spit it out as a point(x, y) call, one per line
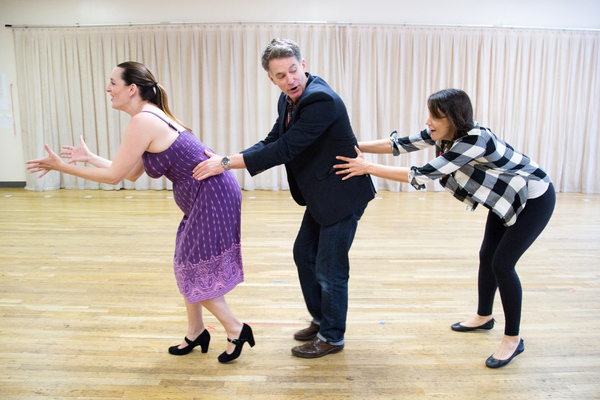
point(504, 270)
point(486, 255)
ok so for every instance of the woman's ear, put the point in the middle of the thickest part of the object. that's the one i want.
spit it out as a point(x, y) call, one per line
point(133, 89)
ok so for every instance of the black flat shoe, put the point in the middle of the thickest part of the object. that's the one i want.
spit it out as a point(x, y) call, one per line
point(461, 328)
point(202, 340)
point(492, 362)
point(245, 336)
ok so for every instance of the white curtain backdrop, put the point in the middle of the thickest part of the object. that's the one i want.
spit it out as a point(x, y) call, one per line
point(537, 89)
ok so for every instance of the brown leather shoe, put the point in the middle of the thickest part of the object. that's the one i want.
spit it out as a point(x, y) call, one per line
point(307, 334)
point(315, 349)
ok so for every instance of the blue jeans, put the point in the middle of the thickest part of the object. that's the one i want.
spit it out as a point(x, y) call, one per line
point(321, 256)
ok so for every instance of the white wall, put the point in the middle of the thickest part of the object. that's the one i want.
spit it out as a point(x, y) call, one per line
point(574, 14)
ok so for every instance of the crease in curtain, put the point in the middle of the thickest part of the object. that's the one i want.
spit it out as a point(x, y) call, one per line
point(537, 89)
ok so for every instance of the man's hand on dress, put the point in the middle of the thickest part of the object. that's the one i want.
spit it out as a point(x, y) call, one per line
point(210, 167)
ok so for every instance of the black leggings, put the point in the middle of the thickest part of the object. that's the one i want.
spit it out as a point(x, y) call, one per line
point(501, 249)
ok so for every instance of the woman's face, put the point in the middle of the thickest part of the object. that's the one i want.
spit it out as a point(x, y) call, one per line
point(119, 92)
point(440, 128)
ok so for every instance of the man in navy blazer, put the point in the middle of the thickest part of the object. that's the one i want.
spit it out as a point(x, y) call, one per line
point(313, 128)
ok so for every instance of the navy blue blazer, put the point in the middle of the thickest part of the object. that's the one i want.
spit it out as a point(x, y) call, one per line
point(319, 131)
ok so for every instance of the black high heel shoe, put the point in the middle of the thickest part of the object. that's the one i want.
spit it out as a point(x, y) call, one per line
point(245, 336)
point(461, 328)
point(202, 340)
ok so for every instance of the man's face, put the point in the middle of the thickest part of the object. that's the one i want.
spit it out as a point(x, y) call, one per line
point(290, 75)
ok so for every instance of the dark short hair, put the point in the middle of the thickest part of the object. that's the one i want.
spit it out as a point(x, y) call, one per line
point(280, 48)
point(456, 106)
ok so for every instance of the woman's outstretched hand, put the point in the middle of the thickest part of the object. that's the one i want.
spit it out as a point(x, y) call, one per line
point(45, 165)
point(353, 167)
point(77, 154)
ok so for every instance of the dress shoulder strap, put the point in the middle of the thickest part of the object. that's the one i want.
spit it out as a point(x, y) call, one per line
point(167, 122)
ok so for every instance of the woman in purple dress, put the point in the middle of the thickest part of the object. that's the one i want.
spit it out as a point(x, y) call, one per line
point(207, 262)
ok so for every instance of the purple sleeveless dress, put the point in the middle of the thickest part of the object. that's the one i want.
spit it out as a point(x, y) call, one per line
point(208, 256)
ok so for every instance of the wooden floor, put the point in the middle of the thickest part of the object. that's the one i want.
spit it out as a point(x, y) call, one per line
point(89, 305)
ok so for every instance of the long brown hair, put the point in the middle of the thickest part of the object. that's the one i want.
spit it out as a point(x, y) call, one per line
point(455, 105)
point(149, 90)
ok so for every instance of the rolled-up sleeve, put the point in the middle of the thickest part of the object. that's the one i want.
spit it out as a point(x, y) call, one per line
point(461, 153)
point(411, 143)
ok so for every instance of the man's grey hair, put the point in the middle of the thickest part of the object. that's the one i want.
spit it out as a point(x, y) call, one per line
point(280, 48)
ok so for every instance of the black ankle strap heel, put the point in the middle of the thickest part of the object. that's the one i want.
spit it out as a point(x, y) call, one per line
point(245, 336)
point(203, 340)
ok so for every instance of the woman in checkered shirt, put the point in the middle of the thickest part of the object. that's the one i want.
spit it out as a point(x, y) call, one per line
point(477, 168)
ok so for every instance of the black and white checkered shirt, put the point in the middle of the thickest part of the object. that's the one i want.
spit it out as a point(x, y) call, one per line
point(478, 168)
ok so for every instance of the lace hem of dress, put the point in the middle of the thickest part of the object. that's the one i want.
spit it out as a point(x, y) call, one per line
point(211, 278)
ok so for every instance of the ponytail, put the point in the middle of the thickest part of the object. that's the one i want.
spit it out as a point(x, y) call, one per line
point(149, 90)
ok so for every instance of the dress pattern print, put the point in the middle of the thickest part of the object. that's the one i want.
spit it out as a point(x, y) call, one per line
point(208, 258)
